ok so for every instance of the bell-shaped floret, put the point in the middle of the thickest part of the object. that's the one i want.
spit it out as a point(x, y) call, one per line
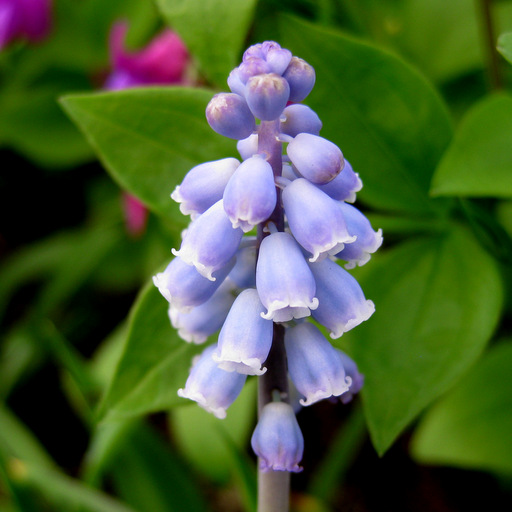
point(284, 282)
point(250, 195)
point(248, 147)
point(276, 57)
point(212, 388)
point(243, 274)
point(235, 84)
point(352, 371)
point(277, 439)
point(245, 338)
point(228, 114)
point(315, 366)
point(317, 159)
point(299, 118)
point(342, 304)
point(344, 186)
point(202, 321)
point(184, 287)
point(267, 95)
point(367, 241)
point(204, 185)
point(315, 220)
point(300, 77)
point(210, 241)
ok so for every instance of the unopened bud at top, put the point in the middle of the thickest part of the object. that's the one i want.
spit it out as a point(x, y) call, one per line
point(301, 78)
point(267, 95)
point(229, 115)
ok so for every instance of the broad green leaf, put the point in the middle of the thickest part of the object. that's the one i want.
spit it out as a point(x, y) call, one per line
point(148, 475)
point(201, 436)
point(154, 365)
point(149, 138)
point(213, 30)
point(471, 425)
point(478, 162)
point(387, 120)
point(437, 301)
point(505, 46)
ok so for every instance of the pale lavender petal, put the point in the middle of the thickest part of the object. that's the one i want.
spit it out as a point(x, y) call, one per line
point(314, 365)
point(344, 186)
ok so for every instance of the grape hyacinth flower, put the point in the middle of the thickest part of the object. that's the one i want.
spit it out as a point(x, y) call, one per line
point(29, 20)
point(282, 215)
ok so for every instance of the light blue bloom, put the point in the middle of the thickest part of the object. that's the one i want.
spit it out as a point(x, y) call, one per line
point(228, 114)
point(357, 378)
point(243, 274)
point(248, 147)
point(285, 284)
point(298, 118)
point(315, 219)
point(342, 304)
point(267, 95)
point(195, 325)
point(210, 241)
point(250, 195)
point(367, 240)
point(315, 158)
point(184, 287)
point(245, 338)
point(344, 186)
point(204, 185)
point(277, 439)
point(315, 366)
point(212, 388)
point(301, 78)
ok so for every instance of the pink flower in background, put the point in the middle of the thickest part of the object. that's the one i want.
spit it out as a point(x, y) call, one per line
point(24, 19)
point(162, 62)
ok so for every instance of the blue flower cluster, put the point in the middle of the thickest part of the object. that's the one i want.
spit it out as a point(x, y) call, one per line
point(262, 248)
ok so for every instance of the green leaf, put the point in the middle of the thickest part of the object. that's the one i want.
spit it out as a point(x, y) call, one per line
point(202, 437)
point(154, 365)
point(388, 121)
point(213, 30)
point(505, 46)
point(148, 475)
point(437, 301)
point(478, 162)
point(471, 425)
point(149, 138)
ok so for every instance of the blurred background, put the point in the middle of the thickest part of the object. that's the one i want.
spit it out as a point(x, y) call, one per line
point(77, 246)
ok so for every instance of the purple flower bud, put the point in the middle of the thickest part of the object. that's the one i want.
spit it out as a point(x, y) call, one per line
point(228, 114)
point(277, 439)
point(351, 371)
point(243, 274)
point(300, 119)
point(24, 19)
point(252, 66)
point(254, 51)
point(196, 325)
point(284, 282)
point(248, 147)
point(267, 95)
point(212, 388)
point(342, 305)
point(235, 84)
point(315, 220)
point(204, 185)
point(250, 195)
point(245, 338)
point(344, 186)
point(301, 78)
point(183, 286)
point(317, 159)
point(163, 61)
point(315, 366)
point(210, 241)
point(276, 57)
point(367, 241)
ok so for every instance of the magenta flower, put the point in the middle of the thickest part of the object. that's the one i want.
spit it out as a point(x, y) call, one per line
point(163, 61)
point(24, 19)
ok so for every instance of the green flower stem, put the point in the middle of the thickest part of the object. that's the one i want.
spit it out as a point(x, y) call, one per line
point(273, 486)
point(493, 65)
